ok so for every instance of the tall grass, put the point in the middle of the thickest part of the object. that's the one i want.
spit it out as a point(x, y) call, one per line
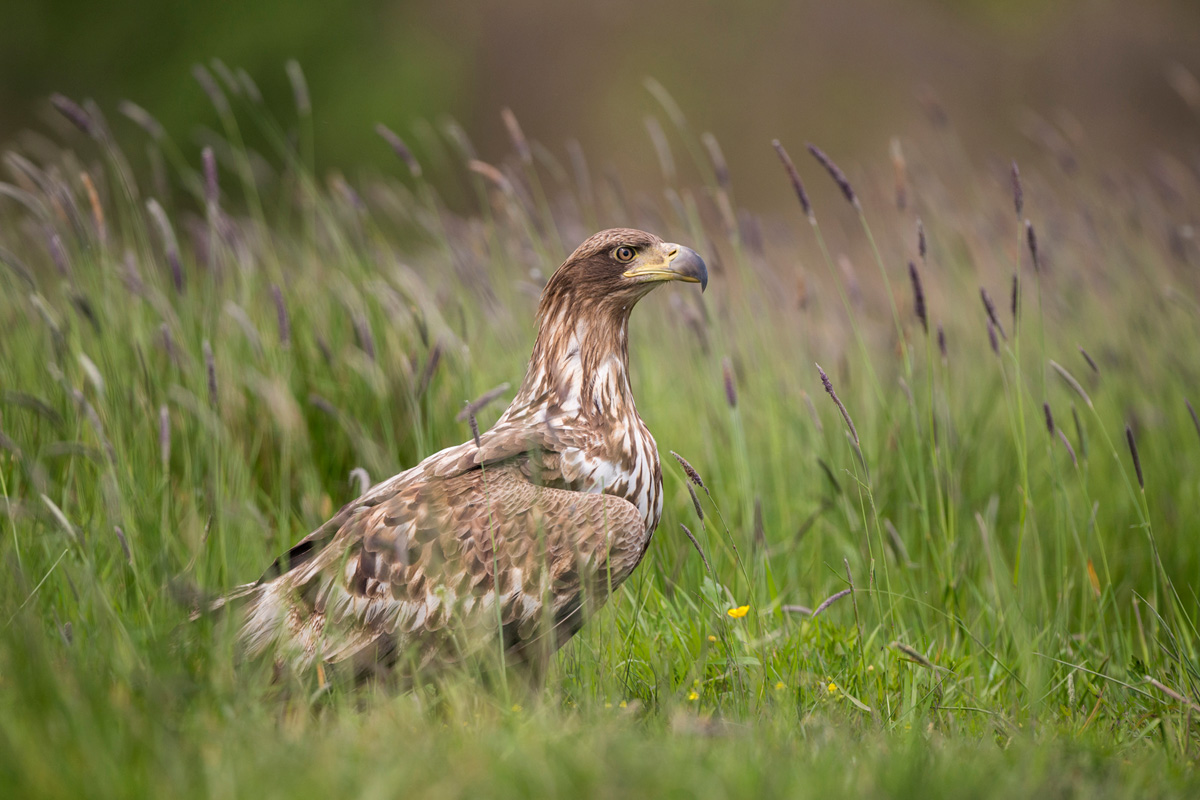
point(207, 350)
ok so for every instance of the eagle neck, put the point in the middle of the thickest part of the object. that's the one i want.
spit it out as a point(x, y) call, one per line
point(580, 360)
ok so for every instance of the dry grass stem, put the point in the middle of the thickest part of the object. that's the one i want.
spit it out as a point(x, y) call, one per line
point(1171, 693)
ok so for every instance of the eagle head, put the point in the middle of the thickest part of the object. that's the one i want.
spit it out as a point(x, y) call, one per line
point(617, 267)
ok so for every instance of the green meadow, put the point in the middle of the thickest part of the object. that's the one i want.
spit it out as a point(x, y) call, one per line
point(972, 574)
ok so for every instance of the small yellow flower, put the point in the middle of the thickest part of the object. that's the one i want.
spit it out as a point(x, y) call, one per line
point(712, 638)
point(870, 667)
point(624, 704)
point(693, 696)
point(516, 707)
point(739, 612)
point(832, 687)
point(779, 687)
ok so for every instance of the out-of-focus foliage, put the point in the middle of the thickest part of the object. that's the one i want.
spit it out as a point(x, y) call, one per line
point(854, 72)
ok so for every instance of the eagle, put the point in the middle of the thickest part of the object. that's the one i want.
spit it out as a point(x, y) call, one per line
point(520, 533)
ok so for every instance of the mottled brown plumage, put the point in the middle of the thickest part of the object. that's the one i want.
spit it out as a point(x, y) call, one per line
point(523, 534)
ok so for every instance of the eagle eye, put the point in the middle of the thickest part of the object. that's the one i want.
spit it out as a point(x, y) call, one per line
point(624, 254)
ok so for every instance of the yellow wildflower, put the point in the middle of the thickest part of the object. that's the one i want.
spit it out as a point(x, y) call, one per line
point(832, 687)
point(712, 638)
point(779, 686)
point(693, 696)
point(739, 612)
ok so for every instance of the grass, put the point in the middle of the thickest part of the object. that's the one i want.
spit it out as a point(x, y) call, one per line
point(193, 365)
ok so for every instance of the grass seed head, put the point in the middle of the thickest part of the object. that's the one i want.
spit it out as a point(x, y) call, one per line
point(990, 308)
point(124, 544)
point(74, 114)
point(431, 365)
point(476, 405)
point(1137, 461)
point(900, 172)
point(474, 430)
point(299, 88)
point(695, 501)
point(794, 176)
point(720, 167)
point(941, 337)
point(730, 386)
point(1018, 192)
point(1031, 240)
point(215, 96)
point(170, 244)
point(400, 149)
point(699, 549)
point(842, 408)
point(282, 319)
point(921, 244)
point(97, 209)
point(1091, 363)
point(164, 436)
point(1050, 428)
point(1070, 381)
point(992, 340)
point(520, 143)
point(690, 471)
point(212, 189)
point(836, 173)
point(210, 368)
point(828, 601)
point(143, 119)
point(1067, 444)
point(918, 296)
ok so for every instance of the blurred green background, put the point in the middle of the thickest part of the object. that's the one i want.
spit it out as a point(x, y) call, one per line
point(847, 74)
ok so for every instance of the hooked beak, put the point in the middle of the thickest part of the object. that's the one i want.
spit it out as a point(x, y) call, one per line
point(681, 264)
